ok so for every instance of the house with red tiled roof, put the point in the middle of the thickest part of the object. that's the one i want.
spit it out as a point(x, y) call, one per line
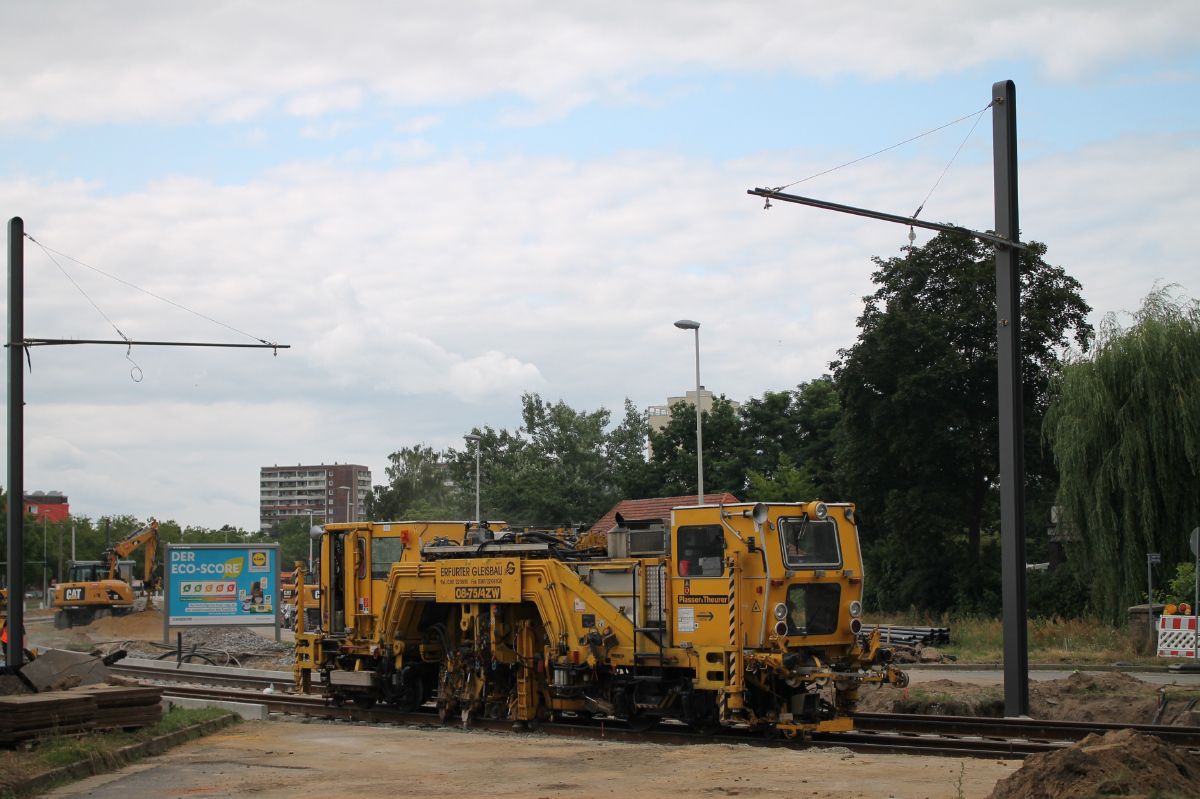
point(656, 508)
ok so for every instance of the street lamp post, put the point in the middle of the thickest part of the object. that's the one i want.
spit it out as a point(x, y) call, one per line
point(688, 324)
point(476, 439)
point(347, 489)
point(310, 539)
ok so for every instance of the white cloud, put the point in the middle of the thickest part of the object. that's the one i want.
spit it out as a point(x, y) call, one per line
point(148, 60)
point(328, 130)
point(419, 124)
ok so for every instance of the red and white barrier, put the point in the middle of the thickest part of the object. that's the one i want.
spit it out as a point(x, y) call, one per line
point(1176, 636)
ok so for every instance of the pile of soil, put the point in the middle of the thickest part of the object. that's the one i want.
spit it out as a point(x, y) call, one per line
point(1108, 697)
point(1123, 763)
point(147, 625)
point(935, 698)
point(1095, 697)
point(10, 685)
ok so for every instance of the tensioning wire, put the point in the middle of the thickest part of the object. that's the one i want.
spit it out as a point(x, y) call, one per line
point(49, 250)
point(978, 117)
point(892, 147)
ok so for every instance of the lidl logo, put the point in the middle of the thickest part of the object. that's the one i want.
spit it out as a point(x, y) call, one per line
point(259, 559)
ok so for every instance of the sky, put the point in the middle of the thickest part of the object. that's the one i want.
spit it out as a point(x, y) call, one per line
point(442, 206)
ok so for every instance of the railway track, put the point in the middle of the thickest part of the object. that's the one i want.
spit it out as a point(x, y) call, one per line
point(884, 733)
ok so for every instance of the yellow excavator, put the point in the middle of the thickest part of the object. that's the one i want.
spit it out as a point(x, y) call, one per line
point(96, 589)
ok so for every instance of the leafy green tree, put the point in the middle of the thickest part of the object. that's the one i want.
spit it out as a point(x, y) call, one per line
point(1182, 587)
point(293, 539)
point(561, 466)
point(787, 483)
point(415, 475)
point(1125, 431)
point(797, 426)
point(917, 441)
point(672, 469)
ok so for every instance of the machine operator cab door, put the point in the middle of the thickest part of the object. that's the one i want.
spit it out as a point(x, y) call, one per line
point(700, 579)
point(811, 548)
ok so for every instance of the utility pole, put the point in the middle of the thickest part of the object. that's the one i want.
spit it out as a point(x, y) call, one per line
point(1011, 402)
point(1010, 409)
point(15, 653)
point(18, 346)
point(60, 552)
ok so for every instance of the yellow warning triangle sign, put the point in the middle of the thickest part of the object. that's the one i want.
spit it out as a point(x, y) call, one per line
point(757, 607)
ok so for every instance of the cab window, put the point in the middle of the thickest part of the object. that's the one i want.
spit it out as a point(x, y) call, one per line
point(813, 608)
point(384, 552)
point(701, 551)
point(810, 544)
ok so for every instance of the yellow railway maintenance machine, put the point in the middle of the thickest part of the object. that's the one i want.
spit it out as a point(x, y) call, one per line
point(741, 615)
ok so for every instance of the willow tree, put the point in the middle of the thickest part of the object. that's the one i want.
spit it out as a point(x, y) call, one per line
point(1124, 426)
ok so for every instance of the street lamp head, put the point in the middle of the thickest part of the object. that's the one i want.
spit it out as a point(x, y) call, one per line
point(687, 324)
point(473, 437)
point(343, 488)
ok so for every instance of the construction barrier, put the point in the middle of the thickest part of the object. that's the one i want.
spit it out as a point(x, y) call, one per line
point(1176, 636)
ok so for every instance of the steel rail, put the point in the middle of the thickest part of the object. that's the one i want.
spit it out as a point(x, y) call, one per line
point(958, 736)
point(672, 734)
point(168, 672)
point(1033, 729)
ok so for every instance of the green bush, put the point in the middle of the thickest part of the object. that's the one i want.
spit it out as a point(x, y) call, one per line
point(1057, 593)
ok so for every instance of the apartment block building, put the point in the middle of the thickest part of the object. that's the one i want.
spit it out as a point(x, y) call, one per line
point(331, 494)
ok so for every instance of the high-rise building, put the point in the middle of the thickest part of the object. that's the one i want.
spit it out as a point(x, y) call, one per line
point(331, 494)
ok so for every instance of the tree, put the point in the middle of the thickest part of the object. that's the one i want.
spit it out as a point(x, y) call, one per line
point(787, 483)
point(1125, 432)
point(672, 469)
point(790, 432)
point(561, 466)
point(415, 475)
point(917, 442)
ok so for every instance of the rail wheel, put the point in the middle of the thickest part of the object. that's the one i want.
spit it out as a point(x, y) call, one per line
point(364, 702)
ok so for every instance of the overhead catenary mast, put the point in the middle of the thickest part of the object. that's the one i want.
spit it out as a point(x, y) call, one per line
point(18, 352)
point(1006, 240)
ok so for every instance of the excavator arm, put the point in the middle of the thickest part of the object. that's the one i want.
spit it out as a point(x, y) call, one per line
point(146, 536)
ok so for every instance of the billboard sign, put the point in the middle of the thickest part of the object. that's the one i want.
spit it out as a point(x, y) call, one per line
point(210, 585)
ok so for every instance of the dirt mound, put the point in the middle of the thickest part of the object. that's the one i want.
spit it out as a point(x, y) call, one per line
point(147, 625)
point(1112, 696)
point(935, 698)
point(1109, 697)
point(1123, 763)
